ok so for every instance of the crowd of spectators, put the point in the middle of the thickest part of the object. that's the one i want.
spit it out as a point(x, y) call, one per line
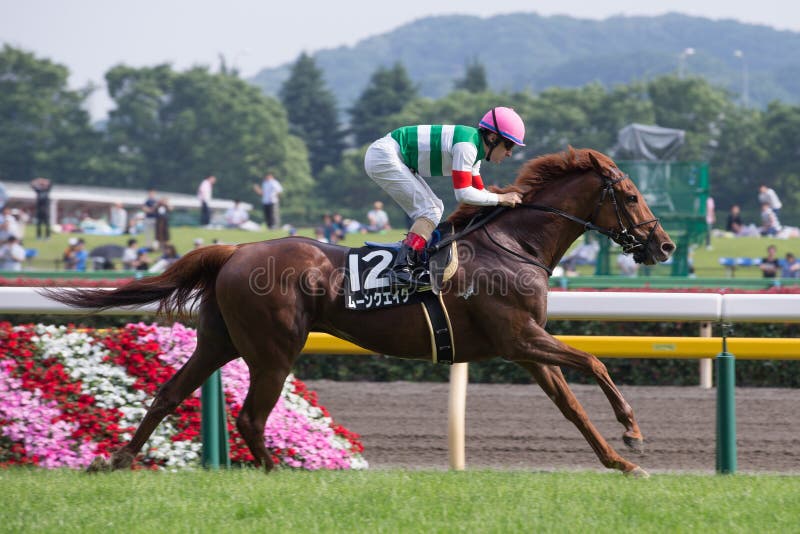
point(769, 224)
point(335, 227)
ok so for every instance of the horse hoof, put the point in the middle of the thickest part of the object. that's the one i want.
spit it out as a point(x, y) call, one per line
point(121, 460)
point(634, 444)
point(637, 472)
point(99, 464)
point(268, 467)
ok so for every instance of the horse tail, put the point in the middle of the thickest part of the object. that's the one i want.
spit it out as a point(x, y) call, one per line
point(187, 280)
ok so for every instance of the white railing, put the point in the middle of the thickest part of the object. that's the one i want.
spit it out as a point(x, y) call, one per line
point(578, 306)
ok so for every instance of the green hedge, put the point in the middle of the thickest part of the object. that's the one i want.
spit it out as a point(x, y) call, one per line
point(762, 373)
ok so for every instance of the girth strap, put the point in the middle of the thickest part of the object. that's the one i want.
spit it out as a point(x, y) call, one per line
point(442, 348)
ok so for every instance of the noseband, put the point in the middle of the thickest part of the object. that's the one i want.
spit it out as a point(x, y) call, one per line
point(622, 235)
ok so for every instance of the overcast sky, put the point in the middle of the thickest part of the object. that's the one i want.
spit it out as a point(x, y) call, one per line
point(90, 36)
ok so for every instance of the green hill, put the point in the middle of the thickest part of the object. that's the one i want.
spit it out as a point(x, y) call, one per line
point(529, 51)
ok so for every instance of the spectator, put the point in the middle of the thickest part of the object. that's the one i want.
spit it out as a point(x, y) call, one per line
point(42, 187)
point(734, 223)
point(130, 254)
point(136, 224)
point(68, 256)
point(270, 191)
point(117, 218)
point(711, 219)
point(585, 254)
point(12, 254)
point(149, 219)
point(204, 194)
point(3, 196)
point(352, 226)
point(9, 225)
point(4, 233)
point(169, 257)
point(377, 218)
point(150, 203)
point(338, 223)
point(333, 232)
point(791, 267)
point(770, 265)
point(80, 255)
point(767, 195)
point(236, 215)
point(770, 225)
point(319, 235)
point(142, 260)
point(627, 265)
point(163, 210)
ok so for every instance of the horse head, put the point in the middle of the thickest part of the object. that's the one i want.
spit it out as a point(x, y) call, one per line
point(622, 214)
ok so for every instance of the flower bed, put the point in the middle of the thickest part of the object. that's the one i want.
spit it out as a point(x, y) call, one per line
point(68, 394)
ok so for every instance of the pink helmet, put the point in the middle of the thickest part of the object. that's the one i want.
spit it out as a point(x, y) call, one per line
point(506, 122)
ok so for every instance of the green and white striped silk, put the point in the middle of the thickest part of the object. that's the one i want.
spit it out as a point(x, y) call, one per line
point(437, 150)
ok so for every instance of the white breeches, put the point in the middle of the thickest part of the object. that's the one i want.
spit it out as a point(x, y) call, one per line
point(385, 166)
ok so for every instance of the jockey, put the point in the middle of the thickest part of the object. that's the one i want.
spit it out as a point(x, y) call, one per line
point(399, 161)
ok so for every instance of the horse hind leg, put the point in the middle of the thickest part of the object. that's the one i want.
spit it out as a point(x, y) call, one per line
point(552, 381)
point(214, 349)
point(269, 331)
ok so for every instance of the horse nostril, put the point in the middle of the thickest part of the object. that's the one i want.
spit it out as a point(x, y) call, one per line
point(668, 247)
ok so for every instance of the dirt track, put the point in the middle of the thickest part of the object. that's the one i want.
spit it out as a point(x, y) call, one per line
point(404, 424)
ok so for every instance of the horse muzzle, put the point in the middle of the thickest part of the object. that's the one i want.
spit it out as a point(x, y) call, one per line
point(656, 252)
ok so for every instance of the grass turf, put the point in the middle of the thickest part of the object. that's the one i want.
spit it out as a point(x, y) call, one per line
point(395, 501)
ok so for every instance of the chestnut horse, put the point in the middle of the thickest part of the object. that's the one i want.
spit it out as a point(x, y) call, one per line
point(259, 301)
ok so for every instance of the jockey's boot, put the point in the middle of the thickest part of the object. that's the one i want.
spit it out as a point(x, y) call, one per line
point(408, 270)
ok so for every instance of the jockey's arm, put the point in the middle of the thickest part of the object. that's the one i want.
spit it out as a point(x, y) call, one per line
point(469, 189)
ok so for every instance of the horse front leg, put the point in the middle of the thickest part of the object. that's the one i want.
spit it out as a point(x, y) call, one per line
point(552, 381)
point(540, 347)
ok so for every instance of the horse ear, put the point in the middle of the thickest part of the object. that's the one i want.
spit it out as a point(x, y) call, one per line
point(596, 164)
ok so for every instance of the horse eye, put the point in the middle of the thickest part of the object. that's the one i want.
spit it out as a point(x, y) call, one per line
point(631, 199)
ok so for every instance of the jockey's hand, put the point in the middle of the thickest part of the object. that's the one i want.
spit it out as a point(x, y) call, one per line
point(509, 199)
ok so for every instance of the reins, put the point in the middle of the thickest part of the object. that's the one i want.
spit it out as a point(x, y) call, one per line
point(623, 237)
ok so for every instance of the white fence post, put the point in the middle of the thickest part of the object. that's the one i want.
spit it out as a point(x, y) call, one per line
point(706, 366)
point(457, 412)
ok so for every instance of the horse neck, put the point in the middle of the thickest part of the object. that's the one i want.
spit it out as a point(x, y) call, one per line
point(547, 236)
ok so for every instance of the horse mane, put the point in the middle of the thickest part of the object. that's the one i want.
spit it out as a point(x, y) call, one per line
point(536, 174)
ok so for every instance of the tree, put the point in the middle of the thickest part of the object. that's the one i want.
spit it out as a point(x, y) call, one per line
point(738, 164)
point(693, 105)
point(387, 92)
point(781, 168)
point(45, 128)
point(171, 129)
point(474, 80)
point(312, 113)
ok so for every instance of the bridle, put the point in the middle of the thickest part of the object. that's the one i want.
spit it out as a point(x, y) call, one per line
point(622, 235)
